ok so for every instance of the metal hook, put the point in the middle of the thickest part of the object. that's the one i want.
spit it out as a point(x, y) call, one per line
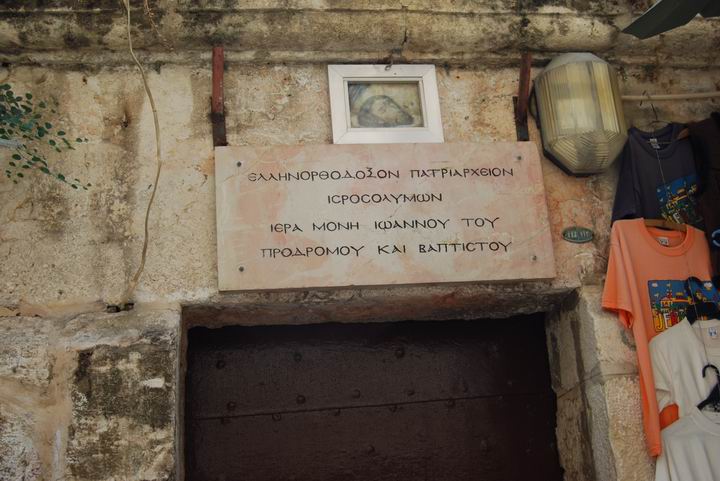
point(652, 106)
point(391, 58)
point(711, 366)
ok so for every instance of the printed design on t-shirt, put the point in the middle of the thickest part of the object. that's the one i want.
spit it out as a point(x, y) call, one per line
point(677, 200)
point(716, 239)
point(669, 302)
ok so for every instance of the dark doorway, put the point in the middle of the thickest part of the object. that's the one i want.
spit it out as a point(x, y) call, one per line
point(451, 400)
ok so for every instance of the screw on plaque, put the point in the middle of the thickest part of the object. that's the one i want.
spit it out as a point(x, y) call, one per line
point(534, 258)
point(239, 164)
point(450, 403)
point(300, 399)
point(410, 392)
point(220, 364)
point(519, 157)
point(356, 394)
point(370, 449)
point(231, 406)
point(276, 417)
point(241, 268)
point(393, 408)
point(400, 352)
point(297, 356)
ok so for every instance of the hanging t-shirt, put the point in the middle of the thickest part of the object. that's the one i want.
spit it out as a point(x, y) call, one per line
point(657, 178)
point(705, 140)
point(645, 285)
point(692, 449)
point(678, 356)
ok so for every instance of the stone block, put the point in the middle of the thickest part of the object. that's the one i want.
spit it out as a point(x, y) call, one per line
point(123, 393)
point(574, 446)
point(562, 347)
point(608, 347)
point(594, 373)
point(24, 350)
point(603, 457)
point(19, 460)
point(349, 30)
point(625, 430)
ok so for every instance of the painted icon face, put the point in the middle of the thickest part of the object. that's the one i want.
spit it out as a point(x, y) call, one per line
point(382, 111)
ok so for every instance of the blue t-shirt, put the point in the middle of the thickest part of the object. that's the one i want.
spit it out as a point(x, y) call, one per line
point(657, 178)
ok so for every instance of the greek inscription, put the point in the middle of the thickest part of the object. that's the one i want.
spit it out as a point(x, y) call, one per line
point(391, 249)
point(411, 224)
point(344, 199)
point(335, 226)
point(479, 221)
point(454, 247)
point(310, 251)
point(285, 228)
point(317, 175)
point(443, 173)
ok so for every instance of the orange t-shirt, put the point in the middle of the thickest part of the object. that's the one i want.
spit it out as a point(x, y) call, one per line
point(645, 285)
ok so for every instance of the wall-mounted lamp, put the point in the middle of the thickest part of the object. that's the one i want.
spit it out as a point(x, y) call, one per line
point(580, 113)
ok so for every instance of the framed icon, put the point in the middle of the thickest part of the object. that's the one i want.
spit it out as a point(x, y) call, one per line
point(381, 104)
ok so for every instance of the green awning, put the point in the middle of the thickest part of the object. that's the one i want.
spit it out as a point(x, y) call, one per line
point(668, 14)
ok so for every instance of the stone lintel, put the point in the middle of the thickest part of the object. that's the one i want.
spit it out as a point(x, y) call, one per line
point(267, 31)
point(401, 303)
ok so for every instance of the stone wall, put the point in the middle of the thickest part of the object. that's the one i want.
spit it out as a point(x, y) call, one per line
point(89, 397)
point(594, 369)
point(86, 395)
point(438, 31)
point(65, 248)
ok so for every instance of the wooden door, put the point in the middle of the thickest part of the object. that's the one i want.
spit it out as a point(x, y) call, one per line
point(453, 400)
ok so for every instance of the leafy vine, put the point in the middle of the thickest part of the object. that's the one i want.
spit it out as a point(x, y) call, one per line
point(26, 132)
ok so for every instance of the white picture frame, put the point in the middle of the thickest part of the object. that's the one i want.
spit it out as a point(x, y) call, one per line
point(415, 119)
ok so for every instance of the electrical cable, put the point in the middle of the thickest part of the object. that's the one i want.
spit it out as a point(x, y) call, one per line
point(685, 96)
point(158, 154)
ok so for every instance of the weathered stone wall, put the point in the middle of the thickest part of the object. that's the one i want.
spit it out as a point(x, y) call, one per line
point(91, 397)
point(594, 372)
point(69, 250)
point(346, 30)
point(86, 395)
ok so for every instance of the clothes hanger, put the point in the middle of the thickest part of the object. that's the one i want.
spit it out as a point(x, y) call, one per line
point(710, 311)
point(666, 224)
point(683, 134)
point(713, 398)
point(700, 307)
point(656, 122)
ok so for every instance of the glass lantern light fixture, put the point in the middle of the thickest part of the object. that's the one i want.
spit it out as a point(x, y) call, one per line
point(580, 113)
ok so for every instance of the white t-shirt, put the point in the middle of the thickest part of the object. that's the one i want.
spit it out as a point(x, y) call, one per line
point(691, 449)
point(678, 357)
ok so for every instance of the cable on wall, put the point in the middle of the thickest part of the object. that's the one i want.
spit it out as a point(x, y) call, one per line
point(685, 96)
point(126, 304)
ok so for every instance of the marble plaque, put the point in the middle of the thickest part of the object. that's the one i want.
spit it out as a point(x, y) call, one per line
point(382, 214)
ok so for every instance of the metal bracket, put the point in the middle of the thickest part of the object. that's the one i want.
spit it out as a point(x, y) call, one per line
point(520, 103)
point(217, 115)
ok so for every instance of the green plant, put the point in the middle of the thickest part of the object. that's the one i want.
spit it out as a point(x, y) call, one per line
point(27, 134)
